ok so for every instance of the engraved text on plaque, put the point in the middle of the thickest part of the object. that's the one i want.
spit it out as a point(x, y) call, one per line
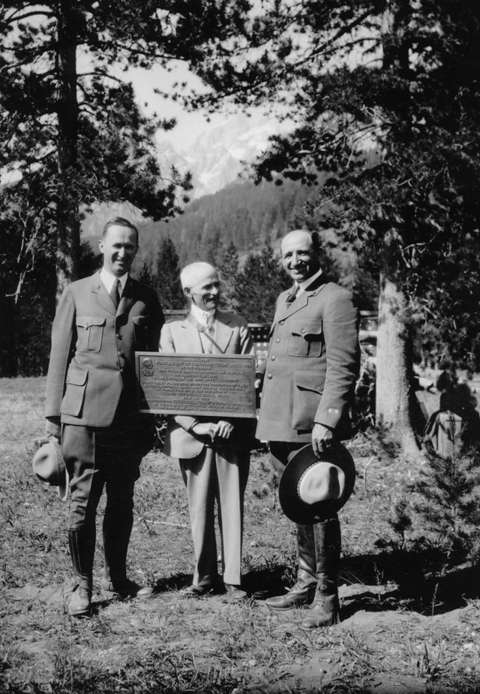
point(197, 384)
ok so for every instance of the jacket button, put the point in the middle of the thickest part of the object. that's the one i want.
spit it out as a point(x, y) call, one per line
point(273, 357)
point(269, 375)
point(277, 340)
point(303, 331)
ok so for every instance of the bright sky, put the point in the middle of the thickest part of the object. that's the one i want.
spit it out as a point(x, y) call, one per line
point(189, 125)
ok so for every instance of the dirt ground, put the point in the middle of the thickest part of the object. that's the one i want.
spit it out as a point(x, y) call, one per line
point(403, 630)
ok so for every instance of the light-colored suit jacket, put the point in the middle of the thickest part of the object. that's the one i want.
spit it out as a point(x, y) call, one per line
point(232, 336)
point(92, 355)
point(312, 364)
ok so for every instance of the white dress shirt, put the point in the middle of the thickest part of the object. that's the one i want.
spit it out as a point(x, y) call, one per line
point(108, 280)
point(206, 320)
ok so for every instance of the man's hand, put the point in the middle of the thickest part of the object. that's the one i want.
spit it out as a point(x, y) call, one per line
point(220, 429)
point(53, 428)
point(205, 429)
point(224, 429)
point(322, 439)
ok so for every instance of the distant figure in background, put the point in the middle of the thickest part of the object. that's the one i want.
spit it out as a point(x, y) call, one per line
point(446, 383)
point(91, 405)
point(213, 453)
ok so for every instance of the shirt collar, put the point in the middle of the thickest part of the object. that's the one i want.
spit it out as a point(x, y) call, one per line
point(202, 317)
point(108, 279)
point(303, 286)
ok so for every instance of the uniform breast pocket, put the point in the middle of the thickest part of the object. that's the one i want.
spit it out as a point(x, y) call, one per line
point(90, 333)
point(306, 340)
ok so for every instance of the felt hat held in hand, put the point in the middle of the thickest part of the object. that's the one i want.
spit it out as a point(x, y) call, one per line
point(313, 489)
point(49, 466)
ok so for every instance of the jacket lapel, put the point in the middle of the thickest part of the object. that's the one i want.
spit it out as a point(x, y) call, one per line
point(286, 309)
point(103, 297)
point(191, 340)
point(223, 332)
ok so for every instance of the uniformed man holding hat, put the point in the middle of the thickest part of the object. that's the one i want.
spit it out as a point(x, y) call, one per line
point(310, 375)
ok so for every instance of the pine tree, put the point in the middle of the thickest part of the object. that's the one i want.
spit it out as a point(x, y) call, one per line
point(386, 98)
point(440, 509)
point(258, 284)
point(227, 265)
point(79, 128)
point(167, 276)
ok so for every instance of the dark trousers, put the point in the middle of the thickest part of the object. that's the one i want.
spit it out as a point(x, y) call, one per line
point(314, 542)
point(98, 459)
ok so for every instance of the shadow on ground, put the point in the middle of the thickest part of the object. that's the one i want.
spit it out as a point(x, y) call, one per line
point(386, 581)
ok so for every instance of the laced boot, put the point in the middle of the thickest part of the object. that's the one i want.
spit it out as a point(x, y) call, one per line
point(303, 590)
point(82, 547)
point(325, 609)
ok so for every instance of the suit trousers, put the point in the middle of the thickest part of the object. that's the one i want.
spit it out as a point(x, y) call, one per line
point(208, 477)
point(98, 459)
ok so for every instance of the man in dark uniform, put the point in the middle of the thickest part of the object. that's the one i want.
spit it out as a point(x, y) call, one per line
point(309, 380)
point(91, 405)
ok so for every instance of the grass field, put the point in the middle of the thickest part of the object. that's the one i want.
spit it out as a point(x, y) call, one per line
point(402, 631)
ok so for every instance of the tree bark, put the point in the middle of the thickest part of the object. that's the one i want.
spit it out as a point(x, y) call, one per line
point(393, 383)
point(68, 223)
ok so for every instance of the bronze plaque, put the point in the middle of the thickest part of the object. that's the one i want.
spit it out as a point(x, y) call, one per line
point(214, 385)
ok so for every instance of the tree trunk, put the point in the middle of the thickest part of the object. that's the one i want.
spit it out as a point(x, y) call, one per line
point(393, 382)
point(68, 223)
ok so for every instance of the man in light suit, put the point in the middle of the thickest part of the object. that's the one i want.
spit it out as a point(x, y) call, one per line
point(213, 453)
point(91, 405)
point(309, 380)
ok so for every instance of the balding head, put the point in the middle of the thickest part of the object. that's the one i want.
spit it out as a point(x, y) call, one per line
point(297, 236)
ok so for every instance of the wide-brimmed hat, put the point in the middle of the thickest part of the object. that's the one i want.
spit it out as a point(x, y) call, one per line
point(312, 489)
point(49, 466)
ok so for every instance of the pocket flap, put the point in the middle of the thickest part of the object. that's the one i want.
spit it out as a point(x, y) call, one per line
point(76, 376)
point(306, 380)
point(87, 321)
point(308, 332)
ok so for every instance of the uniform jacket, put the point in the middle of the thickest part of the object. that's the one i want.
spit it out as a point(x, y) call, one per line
point(232, 336)
point(92, 355)
point(312, 364)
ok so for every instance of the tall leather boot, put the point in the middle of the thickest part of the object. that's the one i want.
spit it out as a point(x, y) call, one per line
point(303, 590)
point(116, 536)
point(82, 547)
point(325, 609)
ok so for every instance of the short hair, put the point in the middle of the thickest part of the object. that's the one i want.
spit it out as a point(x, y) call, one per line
point(121, 222)
point(193, 273)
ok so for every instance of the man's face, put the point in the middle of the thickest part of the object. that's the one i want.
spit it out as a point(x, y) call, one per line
point(206, 293)
point(298, 258)
point(119, 248)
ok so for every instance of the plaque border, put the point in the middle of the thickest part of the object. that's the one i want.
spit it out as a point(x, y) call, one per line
point(208, 413)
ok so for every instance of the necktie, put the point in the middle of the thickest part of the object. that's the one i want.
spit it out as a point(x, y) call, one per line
point(210, 324)
point(115, 293)
point(292, 294)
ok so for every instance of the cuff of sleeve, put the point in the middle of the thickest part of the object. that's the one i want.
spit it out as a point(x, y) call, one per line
point(327, 426)
point(53, 427)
